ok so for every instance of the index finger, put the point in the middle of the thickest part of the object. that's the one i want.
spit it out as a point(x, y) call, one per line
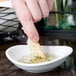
point(25, 18)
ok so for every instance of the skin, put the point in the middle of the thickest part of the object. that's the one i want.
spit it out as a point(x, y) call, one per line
point(31, 11)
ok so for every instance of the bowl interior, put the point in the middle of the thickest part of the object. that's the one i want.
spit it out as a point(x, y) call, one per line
point(16, 52)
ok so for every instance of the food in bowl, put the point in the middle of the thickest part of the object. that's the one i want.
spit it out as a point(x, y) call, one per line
point(30, 59)
point(36, 49)
point(37, 55)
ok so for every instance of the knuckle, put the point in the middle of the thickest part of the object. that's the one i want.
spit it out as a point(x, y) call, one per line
point(25, 17)
point(46, 14)
point(28, 18)
point(37, 18)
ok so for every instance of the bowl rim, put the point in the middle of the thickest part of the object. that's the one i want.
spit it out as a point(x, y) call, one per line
point(38, 64)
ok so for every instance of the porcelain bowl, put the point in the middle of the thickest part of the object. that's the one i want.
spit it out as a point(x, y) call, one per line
point(14, 53)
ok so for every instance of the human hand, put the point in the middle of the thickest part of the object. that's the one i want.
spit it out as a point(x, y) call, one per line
point(31, 11)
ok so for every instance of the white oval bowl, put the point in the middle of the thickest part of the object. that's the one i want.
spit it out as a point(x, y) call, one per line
point(14, 53)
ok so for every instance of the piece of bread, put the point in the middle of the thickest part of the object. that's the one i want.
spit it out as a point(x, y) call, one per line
point(36, 49)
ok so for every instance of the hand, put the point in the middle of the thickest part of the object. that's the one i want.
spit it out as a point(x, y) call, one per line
point(31, 11)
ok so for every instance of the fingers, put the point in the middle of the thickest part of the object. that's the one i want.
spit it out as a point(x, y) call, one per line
point(25, 18)
point(30, 11)
point(38, 8)
point(44, 8)
point(50, 4)
point(21, 9)
point(34, 9)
